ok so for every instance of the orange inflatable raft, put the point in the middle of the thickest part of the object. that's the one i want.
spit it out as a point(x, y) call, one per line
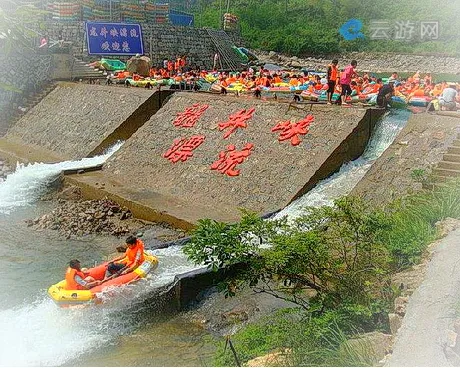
point(69, 298)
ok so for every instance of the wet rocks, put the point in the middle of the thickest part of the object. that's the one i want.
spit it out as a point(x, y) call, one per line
point(80, 218)
point(5, 170)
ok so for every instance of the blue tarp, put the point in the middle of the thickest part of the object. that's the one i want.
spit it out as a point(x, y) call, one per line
point(181, 19)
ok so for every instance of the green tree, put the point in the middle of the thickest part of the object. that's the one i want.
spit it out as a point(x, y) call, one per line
point(329, 256)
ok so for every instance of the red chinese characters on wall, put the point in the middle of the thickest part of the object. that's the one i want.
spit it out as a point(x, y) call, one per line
point(226, 164)
point(237, 120)
point(190, 116)
point(293, 130)
point(182, 148)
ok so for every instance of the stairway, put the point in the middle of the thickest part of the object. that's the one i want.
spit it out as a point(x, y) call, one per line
point(81, 70)
point(33, 99)
point(229, 60)
point(449, 167)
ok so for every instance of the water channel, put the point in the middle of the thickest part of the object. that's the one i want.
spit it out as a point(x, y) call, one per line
point(127, 331)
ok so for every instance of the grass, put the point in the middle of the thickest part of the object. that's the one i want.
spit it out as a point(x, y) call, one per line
point(414, 219)
point(324, 340)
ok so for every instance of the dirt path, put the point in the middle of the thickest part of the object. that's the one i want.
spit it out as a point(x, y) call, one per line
point(431, 311)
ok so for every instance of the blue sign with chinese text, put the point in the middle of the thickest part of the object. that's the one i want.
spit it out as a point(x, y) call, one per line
point(114, 38)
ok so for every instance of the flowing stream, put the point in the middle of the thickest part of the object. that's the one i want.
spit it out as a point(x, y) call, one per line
point(126, 331)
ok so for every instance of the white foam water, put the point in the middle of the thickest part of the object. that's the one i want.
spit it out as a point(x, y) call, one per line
point(29, 182)
point(342, 182)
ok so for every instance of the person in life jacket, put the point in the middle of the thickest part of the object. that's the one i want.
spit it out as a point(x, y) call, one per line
point(132, 258)
point(76, 279)
point(332, 77)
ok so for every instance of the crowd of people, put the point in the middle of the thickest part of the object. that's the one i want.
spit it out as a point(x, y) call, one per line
point(342, 85)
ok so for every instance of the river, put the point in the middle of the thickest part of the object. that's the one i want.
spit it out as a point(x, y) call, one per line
point(127, 331)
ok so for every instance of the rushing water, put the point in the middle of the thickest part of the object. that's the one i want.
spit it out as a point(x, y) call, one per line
point(127, 330)
point(342, 182)
point(34, 331)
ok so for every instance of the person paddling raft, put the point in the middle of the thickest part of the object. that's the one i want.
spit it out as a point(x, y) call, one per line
point(77, 279)
point(133, 257)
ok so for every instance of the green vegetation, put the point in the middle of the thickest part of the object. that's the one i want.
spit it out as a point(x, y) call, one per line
point(303, 27)
point(335, 263)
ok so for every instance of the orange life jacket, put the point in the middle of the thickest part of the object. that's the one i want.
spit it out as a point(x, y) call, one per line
point(334, 73)
point(131, 253)
point(293, 82)
point(70, 282)
point(418, 92)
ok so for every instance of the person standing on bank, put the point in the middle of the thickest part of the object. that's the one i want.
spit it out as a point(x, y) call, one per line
point(385, 94)
point(345, 80)
point(332, 76)
point(447, 100)
point(133, 258)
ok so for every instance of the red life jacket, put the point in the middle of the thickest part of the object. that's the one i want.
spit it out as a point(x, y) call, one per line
point(71, 284)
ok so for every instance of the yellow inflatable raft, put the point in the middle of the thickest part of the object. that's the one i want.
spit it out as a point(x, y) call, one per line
point(69, 298)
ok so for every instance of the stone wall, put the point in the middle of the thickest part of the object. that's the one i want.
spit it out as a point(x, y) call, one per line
point(160, 42)
point(74, 119)
point(23, 73)
point(420, 145)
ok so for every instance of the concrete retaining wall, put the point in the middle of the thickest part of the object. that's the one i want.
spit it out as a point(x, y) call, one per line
point(420, 145)
point(23, 73)
point(77, 120)
point(270, 178)
point(161, 41)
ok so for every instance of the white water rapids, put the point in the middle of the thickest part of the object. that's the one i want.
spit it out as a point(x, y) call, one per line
point(40, 334)
point(342, 182)
point(28, 182)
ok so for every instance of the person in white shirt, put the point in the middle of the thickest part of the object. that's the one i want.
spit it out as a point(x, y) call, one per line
point(447, 100)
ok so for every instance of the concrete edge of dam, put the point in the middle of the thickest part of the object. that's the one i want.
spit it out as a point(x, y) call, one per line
point(157, 207)
point(179, 213)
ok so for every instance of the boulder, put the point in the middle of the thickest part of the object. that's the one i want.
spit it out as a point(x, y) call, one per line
point(373, 346)
point(275, 359)
point(401, 304)
point(139, 65)
point(395, 322)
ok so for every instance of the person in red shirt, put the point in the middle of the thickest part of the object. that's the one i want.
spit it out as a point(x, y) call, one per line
point(345, 80)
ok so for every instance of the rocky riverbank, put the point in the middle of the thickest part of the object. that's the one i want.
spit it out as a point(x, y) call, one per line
point(74, 217)
point(5, 170)
point(374, 62)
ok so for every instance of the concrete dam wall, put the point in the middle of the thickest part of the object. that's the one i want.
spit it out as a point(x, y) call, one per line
point(153, 177)
point(273, 174)
point(77, 120)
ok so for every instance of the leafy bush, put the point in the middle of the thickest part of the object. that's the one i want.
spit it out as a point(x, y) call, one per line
point(308, 340)
point(334, 251)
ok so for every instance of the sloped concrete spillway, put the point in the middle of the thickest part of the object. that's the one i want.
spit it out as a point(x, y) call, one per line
point(271, 177)
point(78, 120)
